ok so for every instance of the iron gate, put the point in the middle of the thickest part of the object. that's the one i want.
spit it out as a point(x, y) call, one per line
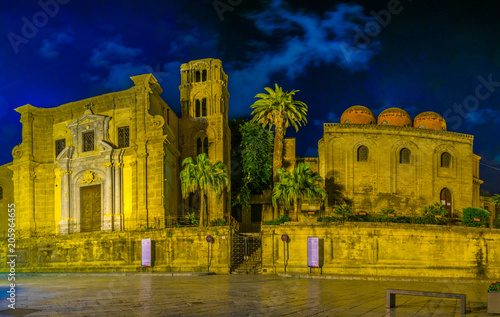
point(246, 254)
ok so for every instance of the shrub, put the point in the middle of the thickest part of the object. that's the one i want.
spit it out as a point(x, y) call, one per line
point(471, 213)
point(361, 218)
point(218, 222)
point(430, 212)
point(494, 287)
point(193, 218)
point(278, 221)
point(344, 211)
point(384, 215)
point(496, 223)
point(403, 219)
point(328, 219)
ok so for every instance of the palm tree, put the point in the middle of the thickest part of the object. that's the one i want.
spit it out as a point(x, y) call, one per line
point(202, 176)
point(495, 199)
point(278, 109)
point(293, 186)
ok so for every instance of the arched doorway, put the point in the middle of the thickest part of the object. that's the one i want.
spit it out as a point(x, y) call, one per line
point(446, 201)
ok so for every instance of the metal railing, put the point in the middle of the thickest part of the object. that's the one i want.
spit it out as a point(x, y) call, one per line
point(180, 221)
point(185, 221)
point(233, 223)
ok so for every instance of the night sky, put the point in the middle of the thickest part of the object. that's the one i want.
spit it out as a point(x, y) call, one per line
point(416, 55)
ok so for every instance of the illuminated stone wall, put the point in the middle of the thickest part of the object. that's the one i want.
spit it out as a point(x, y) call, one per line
point(383, 181)
point(175, 250)
point(205, 107)
point(138, 183)
point(387, 250)
point(6, 199)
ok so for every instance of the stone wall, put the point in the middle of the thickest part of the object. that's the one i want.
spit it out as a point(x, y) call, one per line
point(396, 250)
point(6, 198)
point(383, 181)
point(175, 250)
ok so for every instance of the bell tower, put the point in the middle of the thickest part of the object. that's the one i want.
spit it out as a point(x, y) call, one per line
point(203, 126)
point(204, 89)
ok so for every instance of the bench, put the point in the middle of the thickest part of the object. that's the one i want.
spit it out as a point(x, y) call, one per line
point(390, 299)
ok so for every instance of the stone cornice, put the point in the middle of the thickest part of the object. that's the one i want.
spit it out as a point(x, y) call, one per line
point(386, 129)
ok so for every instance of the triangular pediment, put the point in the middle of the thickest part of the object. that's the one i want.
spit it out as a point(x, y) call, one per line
point(86, 118)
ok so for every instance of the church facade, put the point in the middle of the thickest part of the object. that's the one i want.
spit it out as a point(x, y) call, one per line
point(112, 162)
point(390, 161)
point(399, 163)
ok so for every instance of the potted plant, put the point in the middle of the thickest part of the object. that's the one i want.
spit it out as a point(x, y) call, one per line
point(494, 298)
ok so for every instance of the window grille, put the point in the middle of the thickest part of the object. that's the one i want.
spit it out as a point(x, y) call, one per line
point(404, 156)
point(88, 141)
point(445, 159)
point(362, 154)
point(123, 137)
point(60, 145)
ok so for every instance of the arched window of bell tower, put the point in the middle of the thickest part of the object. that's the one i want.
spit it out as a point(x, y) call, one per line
point(204, 75)
point(205, 146)
point(198, 108)
point(197, 76)
point(204, 107)
point(199, 147)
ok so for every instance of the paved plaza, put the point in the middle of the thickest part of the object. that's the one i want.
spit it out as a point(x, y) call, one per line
point(141, 294)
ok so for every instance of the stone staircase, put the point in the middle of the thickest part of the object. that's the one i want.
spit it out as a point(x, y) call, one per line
point(246, 254)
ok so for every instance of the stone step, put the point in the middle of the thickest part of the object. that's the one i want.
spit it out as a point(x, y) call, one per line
point(244, 271)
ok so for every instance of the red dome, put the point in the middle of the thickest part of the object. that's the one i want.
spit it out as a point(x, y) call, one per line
point(394, 116)
point(429, 120)
point(358, 115)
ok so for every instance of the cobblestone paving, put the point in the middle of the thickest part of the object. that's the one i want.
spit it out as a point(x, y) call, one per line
point(229, 295)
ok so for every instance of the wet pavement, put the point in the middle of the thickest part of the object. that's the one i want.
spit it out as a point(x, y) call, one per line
point(139, 294)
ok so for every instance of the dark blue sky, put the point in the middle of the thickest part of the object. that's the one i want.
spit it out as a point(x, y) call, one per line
point(417, 55)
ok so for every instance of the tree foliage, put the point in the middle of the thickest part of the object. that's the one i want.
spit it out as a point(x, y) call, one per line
point(299, 183)
point(255, 162)
point(495, 199)
point(344, 211)
point(469, 215)
point(430, 212)
point(202, 176)
point(278, 108)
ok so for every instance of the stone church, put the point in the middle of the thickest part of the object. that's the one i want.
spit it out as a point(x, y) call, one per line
point(389, 161)
point(112, 162)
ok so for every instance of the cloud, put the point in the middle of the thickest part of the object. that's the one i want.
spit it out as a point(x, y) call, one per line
point(299, 40)
point(482, 116)
point(52, 46)
point(117, 63)
point(113, 52)
point(331, 117)
point(118, 77)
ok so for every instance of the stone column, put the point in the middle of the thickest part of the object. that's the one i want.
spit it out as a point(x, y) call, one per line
point(64, 225)
point(117, 215)
point(108, 198)
point(27, 134)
